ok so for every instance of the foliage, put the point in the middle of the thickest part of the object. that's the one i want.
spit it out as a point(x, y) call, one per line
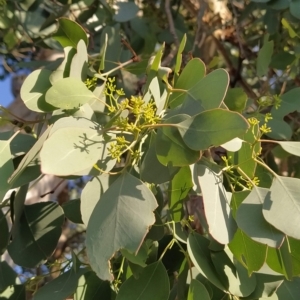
point(186, 196)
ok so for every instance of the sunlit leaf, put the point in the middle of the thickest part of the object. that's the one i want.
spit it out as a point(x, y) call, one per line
point(221, 224)
point(280, 260)
point(291, 147)
point(34, 89)
point(68, 93)
point(30, 156)
point(70, 144)
point(233, 275)
point(249, 252)
point(79, 64)
point(63, 69)
point(109, 228)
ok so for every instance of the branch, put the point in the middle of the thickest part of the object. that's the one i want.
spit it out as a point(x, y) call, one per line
point(171, 23)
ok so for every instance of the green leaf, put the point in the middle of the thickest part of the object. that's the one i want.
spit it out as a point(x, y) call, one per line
point(212, 128)
point(288, 104)
point(61, 287)
point(249, 253)
point(170, 147)
point(294, 247)
point(68, 93)
point(91, 194)
point(30, 156)
point(179, 55)
point(295, 8)
point(138, 258)
point(289, 289)
point(200, 255)
point(291, 147)
point(36, 237)
point(280, 260)
point(103, 53)
point(91, 287)
point(207, 94)
point(152, 170)
point(14, 292)
point(282, 60)
point(125, 11)
point(6, 167)
point(290, 29)
point(33, 91)
point(69, 33)
point(153, 283)
point(233, 145)
point(264, 58)
point(108, 229)
point(72, 210)
point(113, 50)
point(79, 64)
point(221, 224)
point(266, 287)
point(250, 219)
point(7, 276)
point(233, 275)
point(20, 143)
point(236, 99)
point(179, 188)
point(197, 291)
point(282, 205)
point(250, 147)
point(70, 144)
point(190, 76)
point(63, 70)
point(4, 234)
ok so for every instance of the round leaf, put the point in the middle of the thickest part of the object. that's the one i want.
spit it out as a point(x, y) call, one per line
point(126, 11)
point(212, 128)
point(33, 91)
point(68, 93)
point(71, 150)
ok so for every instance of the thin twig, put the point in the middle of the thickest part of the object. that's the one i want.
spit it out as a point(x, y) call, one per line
point(171, 23)
point(203, 6)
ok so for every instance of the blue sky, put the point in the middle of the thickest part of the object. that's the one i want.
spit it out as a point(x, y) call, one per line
point(5, 94)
